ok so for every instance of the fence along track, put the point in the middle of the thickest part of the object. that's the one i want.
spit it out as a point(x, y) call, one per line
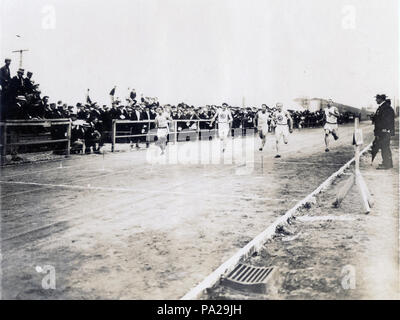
point(257, 243)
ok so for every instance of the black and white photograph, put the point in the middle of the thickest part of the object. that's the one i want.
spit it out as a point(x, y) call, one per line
point(199, 150)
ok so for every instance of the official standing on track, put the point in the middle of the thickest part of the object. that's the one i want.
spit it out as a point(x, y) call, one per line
point(384, 129)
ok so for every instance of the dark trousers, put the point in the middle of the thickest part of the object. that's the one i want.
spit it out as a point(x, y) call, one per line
point(384, 144)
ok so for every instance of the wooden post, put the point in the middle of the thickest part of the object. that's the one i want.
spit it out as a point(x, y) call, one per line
point(4, 142)
point(113, 134)
point(363, 186)
point(176, 131)
point(363, 194)
point(356, 177)
point(198, 129)
point(357, 148)
point(148, 137)
point(69, 138)
point(344, 191)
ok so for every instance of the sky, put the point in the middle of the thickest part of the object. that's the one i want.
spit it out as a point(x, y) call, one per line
point(207, 51)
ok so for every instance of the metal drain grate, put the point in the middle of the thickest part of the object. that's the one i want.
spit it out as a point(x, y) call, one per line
point(249, 278)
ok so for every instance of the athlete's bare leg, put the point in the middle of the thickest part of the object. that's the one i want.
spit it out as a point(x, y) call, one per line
point(334, 134)
point(263, 137)
point(326, 140)
point(223, 140)
point(162, 144)
point(278, 155)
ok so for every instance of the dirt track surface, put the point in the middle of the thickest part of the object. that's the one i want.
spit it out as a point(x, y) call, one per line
point(119, 227)
point(337, 253)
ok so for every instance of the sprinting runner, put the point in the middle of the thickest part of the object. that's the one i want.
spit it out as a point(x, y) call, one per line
point(262, 118)
point(224, 118)
point(282, 129)
point(161, 122)
point(331, 126)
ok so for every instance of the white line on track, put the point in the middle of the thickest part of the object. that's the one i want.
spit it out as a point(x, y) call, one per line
point(34, 172)
point(324, 218)
point(89, 187)
point(307, 163)
point(48, 185)
point(58, 161)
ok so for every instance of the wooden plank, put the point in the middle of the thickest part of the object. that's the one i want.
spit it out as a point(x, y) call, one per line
point(363, 194)
point(36, 142)
point(344, 190)
point(364, 186)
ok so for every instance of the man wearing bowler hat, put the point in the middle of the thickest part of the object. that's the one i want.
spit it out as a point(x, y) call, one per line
point(384, 129)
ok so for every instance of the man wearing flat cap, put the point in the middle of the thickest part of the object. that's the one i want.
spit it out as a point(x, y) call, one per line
point(384, 129)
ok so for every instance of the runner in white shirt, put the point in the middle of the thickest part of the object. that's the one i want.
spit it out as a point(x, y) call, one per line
point(224, 119)
point(262, 118)
point(162, 119)
point(282, 129)
point(331, 126)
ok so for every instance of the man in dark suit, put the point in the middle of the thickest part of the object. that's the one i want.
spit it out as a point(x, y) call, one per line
point(384, 129)
point(148, 115)
point(5, 79)
point(17, 87)
point(28, 83)
point(136, 128)
point(5, 75)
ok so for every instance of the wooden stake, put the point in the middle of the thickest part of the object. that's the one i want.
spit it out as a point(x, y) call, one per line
point(344, 191)
point(363, 186)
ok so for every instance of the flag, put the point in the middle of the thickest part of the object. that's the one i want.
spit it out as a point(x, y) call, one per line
point(112, 92)
point(88, 98)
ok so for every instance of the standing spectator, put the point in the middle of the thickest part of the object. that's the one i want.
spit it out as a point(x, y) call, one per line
point(17, 87)
point(384, 129)
point(5, 75)
point(132, 95)
point(92, 137)
point(136, 128)
point(28, 83)
point(148, 115)
point(5, 79)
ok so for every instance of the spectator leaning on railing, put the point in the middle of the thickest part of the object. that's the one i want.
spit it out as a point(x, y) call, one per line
point(21, 99)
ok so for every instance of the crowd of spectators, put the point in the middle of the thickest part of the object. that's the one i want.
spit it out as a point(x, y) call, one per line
point(21, 98)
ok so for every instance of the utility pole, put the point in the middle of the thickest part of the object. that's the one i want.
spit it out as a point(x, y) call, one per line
point(20, 55)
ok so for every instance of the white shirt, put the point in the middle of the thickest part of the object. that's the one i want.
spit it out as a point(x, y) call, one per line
point(162, 120)
point(224, 116)
point(281, 117)
point(329, 117)
point(262, 118)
